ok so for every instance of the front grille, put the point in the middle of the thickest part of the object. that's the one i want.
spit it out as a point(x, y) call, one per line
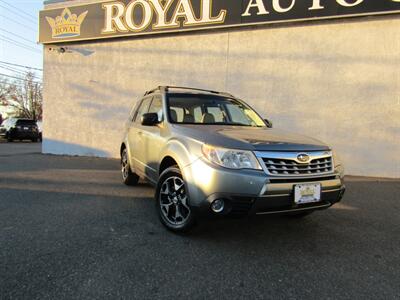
point(278, 166)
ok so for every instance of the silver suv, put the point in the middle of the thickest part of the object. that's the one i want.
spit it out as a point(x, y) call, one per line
point(209, 153)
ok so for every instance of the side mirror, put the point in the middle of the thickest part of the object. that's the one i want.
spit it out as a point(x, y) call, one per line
point(150, 119)
point(268, 123)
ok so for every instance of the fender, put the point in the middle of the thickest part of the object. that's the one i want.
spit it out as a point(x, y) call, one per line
point(185, 153)
point(128, 148)
point(180, 152)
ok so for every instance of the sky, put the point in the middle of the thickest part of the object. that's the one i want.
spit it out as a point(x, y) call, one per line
point(19, 33)
point(18, 40)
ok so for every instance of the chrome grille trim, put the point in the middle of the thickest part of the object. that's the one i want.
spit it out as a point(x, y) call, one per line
point(287, 164)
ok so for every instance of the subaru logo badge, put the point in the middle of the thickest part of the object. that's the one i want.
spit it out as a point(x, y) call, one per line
point(303, 158)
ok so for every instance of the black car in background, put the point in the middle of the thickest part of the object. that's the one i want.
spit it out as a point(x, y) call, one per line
point(19, 129)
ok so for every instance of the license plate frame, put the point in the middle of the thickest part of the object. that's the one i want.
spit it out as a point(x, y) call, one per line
point(307, 193)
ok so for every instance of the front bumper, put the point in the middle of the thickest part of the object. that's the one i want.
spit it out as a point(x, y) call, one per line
point(253, 192)
point(238, 205)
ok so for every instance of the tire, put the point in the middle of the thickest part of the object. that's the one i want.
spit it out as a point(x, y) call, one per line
point(34, 140)
point(172, 202)
point(128, 177)
point(9, 138)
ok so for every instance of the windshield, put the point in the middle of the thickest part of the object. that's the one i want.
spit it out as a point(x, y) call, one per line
point(211, 110)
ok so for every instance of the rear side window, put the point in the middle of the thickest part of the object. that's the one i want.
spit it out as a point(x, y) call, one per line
point(143, 108)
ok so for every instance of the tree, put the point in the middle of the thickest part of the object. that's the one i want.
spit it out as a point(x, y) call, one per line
point(24, 97)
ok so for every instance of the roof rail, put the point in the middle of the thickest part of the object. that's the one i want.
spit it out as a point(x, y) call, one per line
point(159, 88)
point(166, 88)
point(193, 89)
point(202, 90)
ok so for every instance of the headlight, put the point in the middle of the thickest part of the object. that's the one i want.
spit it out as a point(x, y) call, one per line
point(338, 164)
point(232, 159)
point(336, 159)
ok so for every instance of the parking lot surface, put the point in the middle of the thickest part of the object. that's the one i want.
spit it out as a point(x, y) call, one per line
point(69, 229)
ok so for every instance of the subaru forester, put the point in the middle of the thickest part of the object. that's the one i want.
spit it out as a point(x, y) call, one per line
point(210, 153)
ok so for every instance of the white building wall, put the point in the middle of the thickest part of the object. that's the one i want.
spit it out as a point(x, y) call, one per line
point(338, 81)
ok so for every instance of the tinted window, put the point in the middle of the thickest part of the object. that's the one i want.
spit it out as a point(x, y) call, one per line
point(156, 107)
point(143, 108)
point(25, 122)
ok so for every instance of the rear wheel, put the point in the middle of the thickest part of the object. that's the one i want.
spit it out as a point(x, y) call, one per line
point(128, 177)
point(9, 138)
point(172, 201)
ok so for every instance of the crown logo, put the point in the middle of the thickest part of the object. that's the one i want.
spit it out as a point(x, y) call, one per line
point(66, 25)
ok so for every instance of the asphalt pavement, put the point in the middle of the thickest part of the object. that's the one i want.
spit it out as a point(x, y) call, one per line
point(69, 229)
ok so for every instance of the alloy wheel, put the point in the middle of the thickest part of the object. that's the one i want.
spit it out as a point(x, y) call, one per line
point(124, 165)
point(174, 201)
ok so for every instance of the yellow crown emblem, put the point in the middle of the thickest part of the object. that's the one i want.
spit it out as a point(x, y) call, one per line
point(66, 25)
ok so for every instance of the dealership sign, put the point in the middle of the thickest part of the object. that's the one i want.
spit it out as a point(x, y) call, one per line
point(109, 19)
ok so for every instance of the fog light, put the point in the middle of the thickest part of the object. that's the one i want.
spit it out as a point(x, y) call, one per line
point(218, 206)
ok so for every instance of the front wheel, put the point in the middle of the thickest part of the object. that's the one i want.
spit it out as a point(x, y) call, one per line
point(128, 177)
point(172, 201)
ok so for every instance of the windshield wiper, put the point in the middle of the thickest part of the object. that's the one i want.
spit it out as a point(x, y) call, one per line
point(230, 124)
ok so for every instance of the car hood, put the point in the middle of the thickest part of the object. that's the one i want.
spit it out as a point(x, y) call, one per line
point(250, 138)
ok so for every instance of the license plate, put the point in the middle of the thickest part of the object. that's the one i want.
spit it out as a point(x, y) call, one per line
point(307, 193)
point(26, 128)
